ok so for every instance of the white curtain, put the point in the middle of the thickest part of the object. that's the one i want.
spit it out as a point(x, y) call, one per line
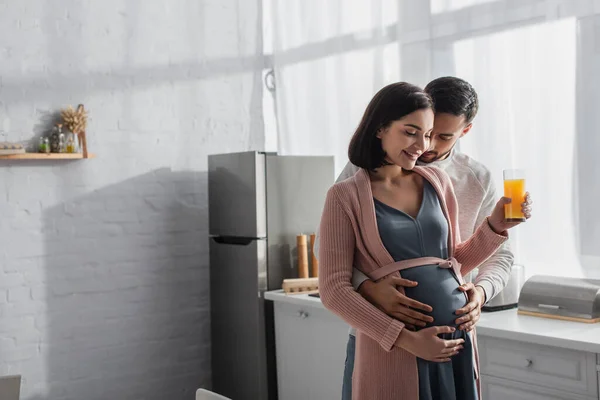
point(533, 63)
point(330, 57)
point(527, 121)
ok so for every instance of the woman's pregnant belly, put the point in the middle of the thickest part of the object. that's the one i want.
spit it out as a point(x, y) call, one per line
point(438, 288)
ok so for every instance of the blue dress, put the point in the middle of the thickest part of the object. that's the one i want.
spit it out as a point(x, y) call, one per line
point(426, 235)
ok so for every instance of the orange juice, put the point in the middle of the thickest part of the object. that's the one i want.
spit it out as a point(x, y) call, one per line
point(515, 189)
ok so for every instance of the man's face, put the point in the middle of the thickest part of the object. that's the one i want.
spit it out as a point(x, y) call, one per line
point(447, 129)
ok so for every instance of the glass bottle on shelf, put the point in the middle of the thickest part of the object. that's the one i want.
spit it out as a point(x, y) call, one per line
point(71, 143)
point(61, 143)
point(54, 144)
point(46, 145)
point(42, 145)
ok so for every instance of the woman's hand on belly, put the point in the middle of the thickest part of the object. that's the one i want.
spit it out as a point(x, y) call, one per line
point(426, 343)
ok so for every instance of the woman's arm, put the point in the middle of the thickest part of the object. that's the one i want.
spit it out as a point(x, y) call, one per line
point(336, 256)
point(490, 235)
point(484, 241)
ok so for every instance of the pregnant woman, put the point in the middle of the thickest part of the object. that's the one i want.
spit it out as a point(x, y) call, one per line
point(394, 218)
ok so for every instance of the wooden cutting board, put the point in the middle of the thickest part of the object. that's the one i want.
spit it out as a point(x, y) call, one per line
point(301, 286)
point(560, 317)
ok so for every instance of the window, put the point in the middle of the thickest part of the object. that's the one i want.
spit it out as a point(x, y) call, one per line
point(525, 79)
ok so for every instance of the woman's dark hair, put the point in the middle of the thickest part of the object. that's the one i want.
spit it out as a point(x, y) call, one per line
point(454, 96)
point(389, 104)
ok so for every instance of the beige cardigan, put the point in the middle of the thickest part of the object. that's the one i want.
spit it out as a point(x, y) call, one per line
point(349, 237)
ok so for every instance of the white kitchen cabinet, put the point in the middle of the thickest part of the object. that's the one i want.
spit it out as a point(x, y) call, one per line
point(566, 370)
point(311, 350)
point(503, 389)
point(522, 358)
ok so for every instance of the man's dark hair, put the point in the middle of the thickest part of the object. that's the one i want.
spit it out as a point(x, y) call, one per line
point(453, 96)
point(389, 104)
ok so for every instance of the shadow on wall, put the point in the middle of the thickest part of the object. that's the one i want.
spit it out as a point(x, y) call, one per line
point(127, 290)
point(47, 121)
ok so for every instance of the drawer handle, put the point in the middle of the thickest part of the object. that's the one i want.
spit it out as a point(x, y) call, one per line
point(302, 314)
point(529, 363)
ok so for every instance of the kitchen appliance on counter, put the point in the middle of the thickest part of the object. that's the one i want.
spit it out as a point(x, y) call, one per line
point(258, 204)
point(508, 298)
point(10, 387)
point(572, 299)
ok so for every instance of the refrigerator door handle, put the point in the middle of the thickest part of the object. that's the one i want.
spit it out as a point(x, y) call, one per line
point(234, 240)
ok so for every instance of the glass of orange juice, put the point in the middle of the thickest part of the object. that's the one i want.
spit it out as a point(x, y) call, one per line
point(514, 187)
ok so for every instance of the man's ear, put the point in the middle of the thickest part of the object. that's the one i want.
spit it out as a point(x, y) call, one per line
point(466, 130)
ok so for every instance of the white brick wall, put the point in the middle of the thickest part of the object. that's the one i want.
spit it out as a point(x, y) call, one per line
point(104, 263)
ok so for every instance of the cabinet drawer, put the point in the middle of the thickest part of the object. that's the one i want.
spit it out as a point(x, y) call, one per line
point(549, 367)
point(503, 389)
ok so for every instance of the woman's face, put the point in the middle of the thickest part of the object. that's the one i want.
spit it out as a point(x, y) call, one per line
point(404, 140)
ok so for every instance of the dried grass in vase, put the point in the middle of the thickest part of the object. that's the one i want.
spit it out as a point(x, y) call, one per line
point(75, 120)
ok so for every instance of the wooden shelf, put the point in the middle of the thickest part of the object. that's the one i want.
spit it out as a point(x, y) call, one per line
point(46, 156)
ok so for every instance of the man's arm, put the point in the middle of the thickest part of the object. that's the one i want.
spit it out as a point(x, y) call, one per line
point(495, 271)
point(358, 278)
point(348, 171)
point(384, 294)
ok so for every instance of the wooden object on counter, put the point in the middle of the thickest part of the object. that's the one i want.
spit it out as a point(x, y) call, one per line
point(314, 266)
point(300, 286)
point(559, 317)
point(302, 256)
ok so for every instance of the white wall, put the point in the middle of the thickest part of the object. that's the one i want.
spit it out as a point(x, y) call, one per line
point(104, 262)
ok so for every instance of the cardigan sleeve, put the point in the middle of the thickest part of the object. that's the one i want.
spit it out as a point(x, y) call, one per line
point(336, 256)
point(481, 245)
point(495, 271)
point(478, 248)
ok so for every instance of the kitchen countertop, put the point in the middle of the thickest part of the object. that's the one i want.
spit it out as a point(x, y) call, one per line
point(504, 325)
point(297, 299)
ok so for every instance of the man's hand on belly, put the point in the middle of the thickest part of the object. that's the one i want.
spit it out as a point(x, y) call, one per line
point(384, 295)
point(470, 313)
